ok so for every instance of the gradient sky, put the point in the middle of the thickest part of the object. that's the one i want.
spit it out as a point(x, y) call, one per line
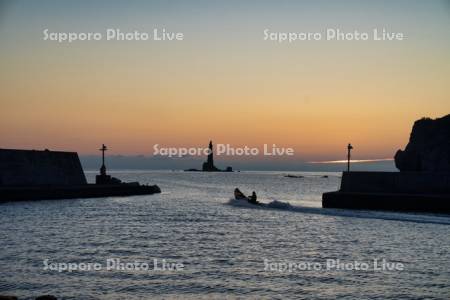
point(223, 82)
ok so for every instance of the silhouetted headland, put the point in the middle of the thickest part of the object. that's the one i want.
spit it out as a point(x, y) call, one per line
point(208, 165)
point(38, 175)
point(423, 183)
point(428, 149)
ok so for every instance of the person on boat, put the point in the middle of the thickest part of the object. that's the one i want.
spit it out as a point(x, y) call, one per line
point(252, 198)
point(238, 194)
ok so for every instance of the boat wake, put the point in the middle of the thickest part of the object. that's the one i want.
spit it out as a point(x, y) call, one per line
point(364, 214)
point(274, 204)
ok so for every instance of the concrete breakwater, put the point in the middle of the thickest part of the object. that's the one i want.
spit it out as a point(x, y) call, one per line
point(48, 175)
point(9, 194)
point(399, 191)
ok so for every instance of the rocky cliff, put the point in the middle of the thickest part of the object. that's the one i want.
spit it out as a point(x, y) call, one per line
point(428, 148)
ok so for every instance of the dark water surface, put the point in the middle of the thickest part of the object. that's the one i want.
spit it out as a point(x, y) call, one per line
point(224, 247)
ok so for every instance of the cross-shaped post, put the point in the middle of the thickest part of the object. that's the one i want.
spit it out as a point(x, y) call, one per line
point(103, 168)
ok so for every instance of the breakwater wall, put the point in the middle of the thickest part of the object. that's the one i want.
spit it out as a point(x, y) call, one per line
point(40, 168)
point(396, 182)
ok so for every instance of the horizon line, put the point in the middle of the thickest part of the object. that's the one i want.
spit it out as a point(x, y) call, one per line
point(342, 161)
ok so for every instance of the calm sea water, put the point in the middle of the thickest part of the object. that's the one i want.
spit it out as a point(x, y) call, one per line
point(224, 248)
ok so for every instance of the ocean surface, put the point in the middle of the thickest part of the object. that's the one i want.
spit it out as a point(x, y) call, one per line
point(223, 249)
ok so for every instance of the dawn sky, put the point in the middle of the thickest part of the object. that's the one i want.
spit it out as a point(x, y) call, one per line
point(223, 81)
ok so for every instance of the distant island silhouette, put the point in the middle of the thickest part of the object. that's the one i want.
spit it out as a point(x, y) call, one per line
point(208, 165)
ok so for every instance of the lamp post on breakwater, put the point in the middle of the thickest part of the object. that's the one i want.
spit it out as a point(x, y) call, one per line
point(349, 149)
